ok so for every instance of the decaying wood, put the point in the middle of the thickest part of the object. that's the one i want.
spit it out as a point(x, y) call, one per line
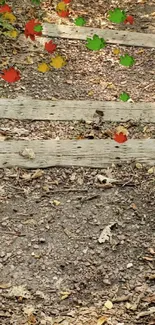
point(111, 36)
point(66, 153)
point(69, 110)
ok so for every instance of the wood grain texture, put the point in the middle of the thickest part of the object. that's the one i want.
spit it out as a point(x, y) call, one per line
point(67, 110)
point(111, 36)
point(65, 153)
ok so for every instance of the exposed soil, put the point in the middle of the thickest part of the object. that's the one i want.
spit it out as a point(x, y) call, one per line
point(51, 249)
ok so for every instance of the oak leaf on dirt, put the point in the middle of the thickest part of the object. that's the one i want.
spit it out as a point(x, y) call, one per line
point(30, 29)
point(63, 13)
point(9, 16)
point(102, 320)
point(120, 137)
point(58, 62)
point(10, 75)
point(5, 8)
point(50, 46)
point(12, 33)
point(61, 6)
point(129, 19)
point(43, 67)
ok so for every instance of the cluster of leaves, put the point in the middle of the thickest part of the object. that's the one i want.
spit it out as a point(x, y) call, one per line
point(34, 28)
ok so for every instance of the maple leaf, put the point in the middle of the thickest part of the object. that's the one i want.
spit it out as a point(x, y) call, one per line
point(116, 51)
point(38, 28)
point(80, 21)
point(61, 6)
point(120, 137)
point(63, 14)
point(50, 46)
point(96, 43)
point(9, 16)
point(12, 33)
point(36, 2)
point(30, 29)
point(58, 62)
point(124, 97)
point(67, 1)
point(127, 60)
point(129, 19)
point(43, 67)
point(117, 16)
point(5, 8)
point(10, 75)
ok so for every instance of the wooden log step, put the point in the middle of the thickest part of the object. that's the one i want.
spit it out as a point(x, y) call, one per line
point(69, 110)
point(111, 36)
point(67, 153)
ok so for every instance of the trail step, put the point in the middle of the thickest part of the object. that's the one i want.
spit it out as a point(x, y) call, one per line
point(68, 110)
point(118, 37)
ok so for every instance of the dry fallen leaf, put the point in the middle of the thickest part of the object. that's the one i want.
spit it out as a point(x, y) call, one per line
point(43, 67)
point(28, 153)
point(102, 320)
point(108, 304)
point(65, 295)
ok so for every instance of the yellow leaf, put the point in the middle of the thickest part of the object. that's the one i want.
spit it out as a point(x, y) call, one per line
point(121, 129)
point(65, 295)
point(61, 6)
point(139, 166)
point(91, 93)
point(14, 51)
point(10, 17)
point(57, 62)
point(108, 304)
point(111, 85)
point(116, 51)
point(12, 33)
point(55, 202)
point(151, 170)
point(102, 320)
point(43, 67)
point(29, 60)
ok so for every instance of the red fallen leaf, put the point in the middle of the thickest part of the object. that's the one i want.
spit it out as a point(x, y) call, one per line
point(129, 19)
point(120, 137)
point(50, 46)
point(10, 75)
point(29, 29)
point(67, 1)
point(63, 13)
point(5, 8)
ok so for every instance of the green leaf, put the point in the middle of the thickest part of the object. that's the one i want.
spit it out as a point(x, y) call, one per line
point(38, 28)
point(124, 97)
point(96, 43)
point(127, 60)
point(2, 2)
point(36, 2)
point(5, 25)
point(80, 21)
point(117, 16)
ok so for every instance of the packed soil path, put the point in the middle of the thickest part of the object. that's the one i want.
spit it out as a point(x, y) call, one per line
point(77, 244)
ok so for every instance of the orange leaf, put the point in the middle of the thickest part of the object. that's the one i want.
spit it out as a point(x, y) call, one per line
point(63, 14)
point(10, 75)
point(50, 46)
point(5, 8)
point(30, 31)
point(120, 137)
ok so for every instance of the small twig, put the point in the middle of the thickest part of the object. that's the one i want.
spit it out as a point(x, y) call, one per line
point(146, 313)
point(12, 233)
point(66, 190)
point(89, 198)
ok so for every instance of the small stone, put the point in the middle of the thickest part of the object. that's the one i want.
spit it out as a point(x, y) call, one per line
point(129, 265)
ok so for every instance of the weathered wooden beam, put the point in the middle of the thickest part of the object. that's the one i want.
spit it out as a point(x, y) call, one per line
point(65, 153)
point(67, 110)
point(111, 36)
